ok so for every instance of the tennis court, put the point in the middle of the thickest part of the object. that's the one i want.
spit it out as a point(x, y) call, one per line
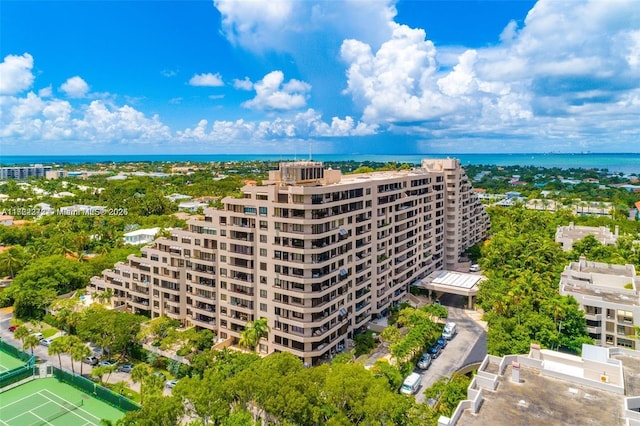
point(50, 402)
point(9, 362)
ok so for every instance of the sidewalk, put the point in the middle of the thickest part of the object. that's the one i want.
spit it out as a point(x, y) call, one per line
point(476, 315)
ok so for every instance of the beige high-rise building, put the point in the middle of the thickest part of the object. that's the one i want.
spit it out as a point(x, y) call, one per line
point(317, 253)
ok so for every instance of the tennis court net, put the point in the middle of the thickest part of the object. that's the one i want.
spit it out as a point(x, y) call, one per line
point(64, 408)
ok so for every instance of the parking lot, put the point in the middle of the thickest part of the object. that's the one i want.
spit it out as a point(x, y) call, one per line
point(468, 346)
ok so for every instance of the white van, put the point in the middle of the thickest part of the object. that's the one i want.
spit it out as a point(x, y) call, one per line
point(411, 384)
point(450, 330)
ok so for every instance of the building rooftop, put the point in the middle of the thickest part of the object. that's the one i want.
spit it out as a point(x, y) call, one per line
point(554, 388)
point(540, 399)
point(567, 235)
point(612, 283)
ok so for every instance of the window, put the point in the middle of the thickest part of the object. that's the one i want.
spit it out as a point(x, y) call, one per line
point(263, 224)
point(263, 238)
point(263, 252)
point(263, 211)
point(263, 348)
point(223, 272)
point(263, 266)
point(263, 293)
point(223, 246)
point(250, 210)
point(223, 259)
point(223, 233)
point(263, 307)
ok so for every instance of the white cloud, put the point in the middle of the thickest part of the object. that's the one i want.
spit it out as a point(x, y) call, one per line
point(510, 32)
point(33, 118)
point(244, 84)
point(208, 79)
point(46, 92)
point(15, 74)
point(293, 25)
point(301, 126)
point(75, 87)
point(169, 73)
point(571, 65)
point(273, 94)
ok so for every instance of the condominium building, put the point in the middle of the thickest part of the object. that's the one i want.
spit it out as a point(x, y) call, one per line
point(608, 295)
point(24, 172)
point(316, 253)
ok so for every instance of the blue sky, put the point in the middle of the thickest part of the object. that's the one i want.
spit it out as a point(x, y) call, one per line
point(351, 76)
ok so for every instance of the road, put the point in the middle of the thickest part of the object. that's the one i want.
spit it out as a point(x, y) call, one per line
point(468, 346)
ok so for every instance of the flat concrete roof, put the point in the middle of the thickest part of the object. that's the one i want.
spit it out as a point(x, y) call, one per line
point(544, 400)
point(452, 282)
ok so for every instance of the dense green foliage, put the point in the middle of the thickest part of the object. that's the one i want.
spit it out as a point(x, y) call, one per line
point(523, 265)
point(280, 390)
point(38, 284)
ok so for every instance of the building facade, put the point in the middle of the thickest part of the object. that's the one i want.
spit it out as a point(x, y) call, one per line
point(317, 253)
point(608, 295)
point(24, 172)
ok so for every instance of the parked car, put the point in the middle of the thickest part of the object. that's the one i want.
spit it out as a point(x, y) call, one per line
point(435, 351)
point(125, 368)
point(450, 330)
point(442, 342)
point(474, 268)
point(13, 328)
point(425, 361)
point(38, 335)
point(171, 383)
point(91, 360)
point(106, 363)
point(47, 341)
point(411, 384)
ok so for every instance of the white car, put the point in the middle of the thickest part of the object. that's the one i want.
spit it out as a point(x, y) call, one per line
point(47, 341)
point(474, 268)
point(450, 330)
point(171, 383)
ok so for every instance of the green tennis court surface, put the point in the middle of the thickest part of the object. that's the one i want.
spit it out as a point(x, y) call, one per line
point(50, 402)
point(9, 362)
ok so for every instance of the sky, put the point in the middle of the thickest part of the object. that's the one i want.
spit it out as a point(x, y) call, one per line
point(327, 76)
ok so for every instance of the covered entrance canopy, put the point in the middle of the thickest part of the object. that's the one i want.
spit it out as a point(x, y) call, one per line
point(452, 282)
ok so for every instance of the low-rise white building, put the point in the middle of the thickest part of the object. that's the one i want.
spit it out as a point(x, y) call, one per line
point(608, 295)
point(567, 235)
point(141, 236)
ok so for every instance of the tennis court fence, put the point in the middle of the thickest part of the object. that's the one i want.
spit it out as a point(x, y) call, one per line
point(17, 353)
point(92, 388)
point(12, 376)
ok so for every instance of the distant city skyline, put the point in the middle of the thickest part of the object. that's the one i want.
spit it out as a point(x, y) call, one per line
point(343, 76)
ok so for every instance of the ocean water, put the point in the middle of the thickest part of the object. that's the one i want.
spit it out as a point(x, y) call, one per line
point(628, 163)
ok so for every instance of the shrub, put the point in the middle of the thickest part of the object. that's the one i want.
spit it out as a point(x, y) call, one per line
point(51, 320)
point(364, 343)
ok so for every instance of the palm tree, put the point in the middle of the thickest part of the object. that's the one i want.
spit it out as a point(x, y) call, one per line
point(13, 260)
point(138, 374)
point(253, 332)
point(58, 347)
point(30, 342)
point(21, 333)
point(79, 351)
